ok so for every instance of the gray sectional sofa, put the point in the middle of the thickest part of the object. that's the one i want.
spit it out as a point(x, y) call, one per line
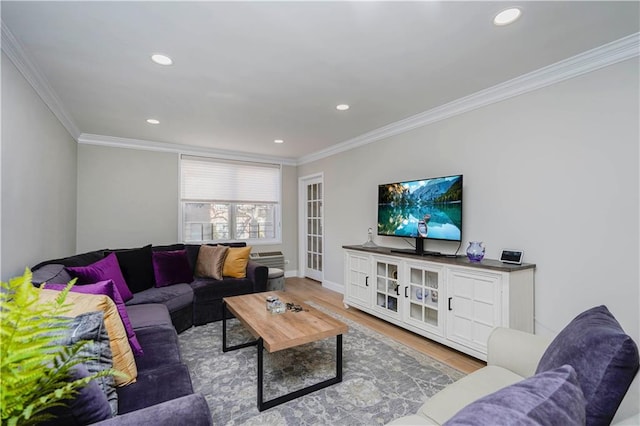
point(163, 393)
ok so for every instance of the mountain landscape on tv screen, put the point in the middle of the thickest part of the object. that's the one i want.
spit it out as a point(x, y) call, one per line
point(440, 190)
point(436, 201)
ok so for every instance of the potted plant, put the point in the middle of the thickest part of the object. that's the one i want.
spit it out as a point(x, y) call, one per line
point(35, 370)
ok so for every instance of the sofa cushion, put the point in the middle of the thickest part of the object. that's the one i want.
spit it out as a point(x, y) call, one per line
point(90, 326)
point(550, 398)
point(50, 273)
point(171, 267)
point(89, 405)
point(191, 410)
point(82, 259)
point(444, 404)
point(207, 289)
point(232, 244)
point(137, 267)
point(210, 261)
point(148, 315)
point(107, 288)
point(161, 348)
point(604, 357)
point(155, 386)
point(169, 247)
point(104, 269)
point(173, 297)
point(235, 264)
point(193, 250)
point(122, 355)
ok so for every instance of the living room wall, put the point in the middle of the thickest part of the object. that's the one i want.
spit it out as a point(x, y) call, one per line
point(38, 179)
point(126, 197)
point(553, 172)
point(129, 197)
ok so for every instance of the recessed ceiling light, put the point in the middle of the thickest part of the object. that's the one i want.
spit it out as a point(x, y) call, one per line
point(342, 107)
point(153, 121)
point(507, 16)
point(161, 59)
point(278, 141)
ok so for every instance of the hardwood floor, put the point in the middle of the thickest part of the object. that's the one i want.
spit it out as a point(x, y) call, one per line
point(306, 289)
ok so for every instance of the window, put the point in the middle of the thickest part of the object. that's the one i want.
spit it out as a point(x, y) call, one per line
point(224, 200)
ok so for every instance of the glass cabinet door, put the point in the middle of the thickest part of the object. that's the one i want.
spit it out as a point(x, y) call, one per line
point(387, 288)
point(423, 297)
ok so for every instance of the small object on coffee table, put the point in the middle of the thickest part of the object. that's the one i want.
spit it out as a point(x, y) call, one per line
point(295, 308)
point(270, 301)
point(278, 307)
point(275, 305)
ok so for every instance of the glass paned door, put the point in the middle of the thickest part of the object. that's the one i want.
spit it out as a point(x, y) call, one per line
point(314, 247)
point(387, 291)
point(422, 291)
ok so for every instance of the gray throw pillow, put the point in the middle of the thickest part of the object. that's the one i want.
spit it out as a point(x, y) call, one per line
point(90, 326)
point(605, 359)
point(552, 398)
point(50, 273)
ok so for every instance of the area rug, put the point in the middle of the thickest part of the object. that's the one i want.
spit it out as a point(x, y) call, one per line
point(382, 379)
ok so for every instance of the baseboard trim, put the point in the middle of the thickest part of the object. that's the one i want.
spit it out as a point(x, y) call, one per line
point(333, 286)
point(292, 273)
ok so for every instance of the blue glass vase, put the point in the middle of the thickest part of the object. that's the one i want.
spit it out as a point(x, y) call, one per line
point(475, 251)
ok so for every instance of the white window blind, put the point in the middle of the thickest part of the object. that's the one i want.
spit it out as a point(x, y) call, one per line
point(211, 179)
point(223, 200)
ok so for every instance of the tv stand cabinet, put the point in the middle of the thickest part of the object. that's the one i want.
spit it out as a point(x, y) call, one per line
point(447, 299)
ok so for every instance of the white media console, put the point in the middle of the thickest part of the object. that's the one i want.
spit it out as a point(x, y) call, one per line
point(449, 300)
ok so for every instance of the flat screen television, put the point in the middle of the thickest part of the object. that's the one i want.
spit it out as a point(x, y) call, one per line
point(425, 208)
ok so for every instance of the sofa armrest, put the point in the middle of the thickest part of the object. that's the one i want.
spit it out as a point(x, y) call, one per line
point(188, 410)
point(515, 350)
point(259, 274)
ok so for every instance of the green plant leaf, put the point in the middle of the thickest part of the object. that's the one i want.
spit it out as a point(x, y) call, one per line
point(35, 370)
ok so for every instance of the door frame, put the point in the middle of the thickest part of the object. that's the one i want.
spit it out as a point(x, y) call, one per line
point(302, 222)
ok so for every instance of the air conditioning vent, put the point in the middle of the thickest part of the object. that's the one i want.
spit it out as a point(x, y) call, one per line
point(271, 259)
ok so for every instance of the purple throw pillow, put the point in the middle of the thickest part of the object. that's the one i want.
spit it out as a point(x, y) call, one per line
point(552, 398)
point(104, 269)
point(171, 267)
point(605, 358)
point(109, 289)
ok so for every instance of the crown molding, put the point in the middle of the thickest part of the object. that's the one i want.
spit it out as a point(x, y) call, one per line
point(18, 56)
point(591, 60)
point(146, 145)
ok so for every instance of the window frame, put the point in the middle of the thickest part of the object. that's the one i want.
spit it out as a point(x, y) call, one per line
point(277, 239)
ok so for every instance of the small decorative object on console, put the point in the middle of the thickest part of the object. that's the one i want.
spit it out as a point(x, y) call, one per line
point(512, 256)
point(370, 242)
point(475, 251)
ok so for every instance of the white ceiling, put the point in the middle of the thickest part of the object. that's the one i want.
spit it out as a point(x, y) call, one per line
point(246, 73)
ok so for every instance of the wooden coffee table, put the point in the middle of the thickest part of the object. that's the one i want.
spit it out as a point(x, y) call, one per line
point(275, 332)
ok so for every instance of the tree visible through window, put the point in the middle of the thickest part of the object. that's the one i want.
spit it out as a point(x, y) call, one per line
point(228, 200)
